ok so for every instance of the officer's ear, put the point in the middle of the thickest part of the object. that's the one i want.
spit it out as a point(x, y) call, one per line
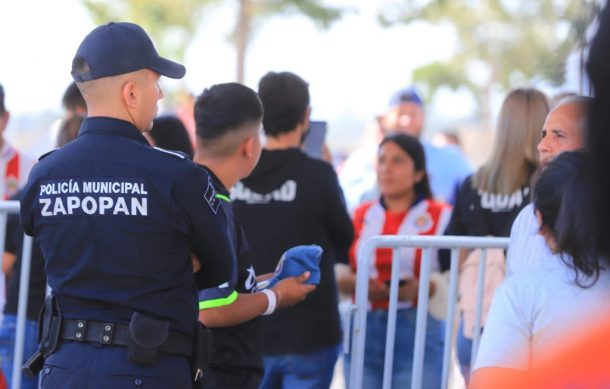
point(130, 94)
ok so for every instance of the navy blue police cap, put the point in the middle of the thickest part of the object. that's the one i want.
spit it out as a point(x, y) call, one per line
point(118, 48)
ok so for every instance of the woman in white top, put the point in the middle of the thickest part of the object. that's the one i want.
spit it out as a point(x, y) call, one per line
point(537, 311)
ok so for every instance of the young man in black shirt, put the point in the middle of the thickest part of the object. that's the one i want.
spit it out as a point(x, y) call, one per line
point(228, 121)
point(291, 199)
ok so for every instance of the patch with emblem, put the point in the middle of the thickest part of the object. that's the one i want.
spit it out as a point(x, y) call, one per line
point(210, 197)
point(423, 223)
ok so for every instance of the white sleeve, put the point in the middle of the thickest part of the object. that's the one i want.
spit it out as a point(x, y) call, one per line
point(507, 334)
point(526, 246)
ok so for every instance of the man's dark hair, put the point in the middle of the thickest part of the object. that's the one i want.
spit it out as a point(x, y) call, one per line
point(285, 97)
point(168, 132)
point(2, 107)
point(73, 99)
point(223, 108)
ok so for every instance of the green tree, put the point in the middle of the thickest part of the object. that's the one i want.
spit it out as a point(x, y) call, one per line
point(500, 43)
point(172, 23)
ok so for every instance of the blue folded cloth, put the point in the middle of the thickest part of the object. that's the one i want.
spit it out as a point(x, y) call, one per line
point(294, 262)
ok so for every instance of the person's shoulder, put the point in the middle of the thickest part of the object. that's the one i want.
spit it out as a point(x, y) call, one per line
point(315, 168)
point(538, 279)
point(437, 205)
point(172, 153)
point(525, 222)
point(45, 161)
point(363, 208)
point(47, 154)
point(319, 164)
point(467, 188)
point(173, 161)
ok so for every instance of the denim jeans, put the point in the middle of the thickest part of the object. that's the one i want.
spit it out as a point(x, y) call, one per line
point(313, 370)
point(7, 345)
point(464, 351)
point(374, 350)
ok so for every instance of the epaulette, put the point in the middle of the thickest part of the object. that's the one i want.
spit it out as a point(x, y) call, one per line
point(43, 156)
point(177, 154)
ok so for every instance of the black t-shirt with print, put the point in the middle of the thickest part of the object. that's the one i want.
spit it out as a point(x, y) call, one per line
point(236, 357)
point(478, 213)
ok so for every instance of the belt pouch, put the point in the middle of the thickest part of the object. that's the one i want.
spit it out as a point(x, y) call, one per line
point(49, 326)
point(49, 331)
point(146, 336)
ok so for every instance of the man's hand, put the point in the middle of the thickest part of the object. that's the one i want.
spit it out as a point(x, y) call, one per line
point(292, 290)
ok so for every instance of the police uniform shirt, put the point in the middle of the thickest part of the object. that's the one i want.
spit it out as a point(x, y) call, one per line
point(237, 350)
point(117, 221)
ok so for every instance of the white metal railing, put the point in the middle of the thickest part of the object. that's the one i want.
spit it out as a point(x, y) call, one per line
point(360, 308)
point(7, 207)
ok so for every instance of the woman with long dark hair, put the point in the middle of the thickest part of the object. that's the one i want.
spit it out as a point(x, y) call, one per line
point(405, 207)
point(538, 310)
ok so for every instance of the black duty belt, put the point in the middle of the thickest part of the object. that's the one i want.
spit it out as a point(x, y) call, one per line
point(113, 334)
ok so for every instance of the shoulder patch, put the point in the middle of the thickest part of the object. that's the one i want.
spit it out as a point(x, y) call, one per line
point(177, 154)
point(210, 197)
point(43, 156)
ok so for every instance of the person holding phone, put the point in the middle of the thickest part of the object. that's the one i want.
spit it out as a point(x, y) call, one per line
point(405, 207)
point(314, 143)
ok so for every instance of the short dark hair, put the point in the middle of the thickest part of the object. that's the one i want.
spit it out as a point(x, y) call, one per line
point(414, 149)
point(168, 132)
point(224, 108)
point(285, 97)
point(2, 107)
point(562, 196)
point(73, 98)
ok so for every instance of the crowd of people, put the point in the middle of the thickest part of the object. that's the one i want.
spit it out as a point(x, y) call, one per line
point(175, 261)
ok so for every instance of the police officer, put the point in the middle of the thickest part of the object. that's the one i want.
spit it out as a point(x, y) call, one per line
point(117, 222)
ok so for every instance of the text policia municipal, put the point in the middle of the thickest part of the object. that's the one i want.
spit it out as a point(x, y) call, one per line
point(71, 197)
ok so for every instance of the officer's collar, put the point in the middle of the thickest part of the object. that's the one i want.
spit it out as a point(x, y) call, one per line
point(111, 125)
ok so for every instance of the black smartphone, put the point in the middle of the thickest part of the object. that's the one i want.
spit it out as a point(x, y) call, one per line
point(400, 283)
point(314, 140)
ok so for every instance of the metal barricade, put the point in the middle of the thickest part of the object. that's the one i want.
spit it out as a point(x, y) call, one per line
point(360, 308)
point(7, 207)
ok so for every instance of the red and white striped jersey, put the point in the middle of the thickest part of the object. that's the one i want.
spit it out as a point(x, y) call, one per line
point(426, 217)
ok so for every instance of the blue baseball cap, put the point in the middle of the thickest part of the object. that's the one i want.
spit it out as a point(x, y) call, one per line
point(118, 48)
point(296, 261)
point(406, 95)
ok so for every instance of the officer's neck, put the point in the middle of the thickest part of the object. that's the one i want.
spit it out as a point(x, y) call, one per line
point(109, 112)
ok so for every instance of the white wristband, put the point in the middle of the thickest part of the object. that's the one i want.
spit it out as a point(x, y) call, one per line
point(271, 301)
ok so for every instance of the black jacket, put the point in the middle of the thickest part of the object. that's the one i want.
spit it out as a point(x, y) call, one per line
point(291, 199)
